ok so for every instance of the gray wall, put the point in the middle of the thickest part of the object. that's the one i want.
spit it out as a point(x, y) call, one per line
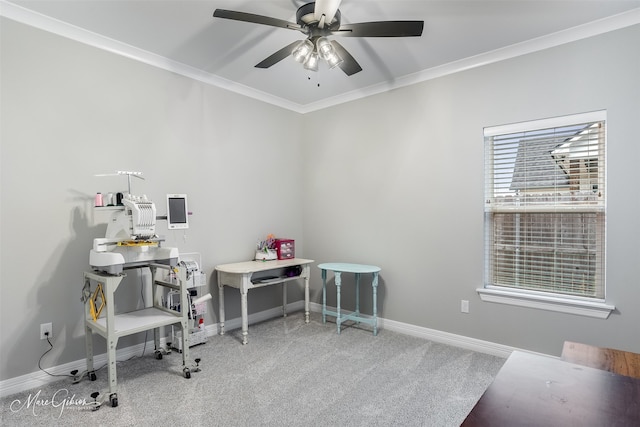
point(393, 180)
point(70, 111)
point(399, 183)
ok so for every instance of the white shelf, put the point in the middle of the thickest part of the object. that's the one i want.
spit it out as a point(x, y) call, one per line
point(136, 321)
point(259, 283)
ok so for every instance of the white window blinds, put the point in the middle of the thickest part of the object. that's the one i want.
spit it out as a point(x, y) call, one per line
point(545, 205)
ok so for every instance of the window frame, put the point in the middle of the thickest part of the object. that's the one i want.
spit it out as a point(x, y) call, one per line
point(545, 300)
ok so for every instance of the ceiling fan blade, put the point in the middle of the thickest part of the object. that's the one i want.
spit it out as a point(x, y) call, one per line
point(349, 65)
point(327, 8)
point(278, 56)
point(256, 19)
point(381, 29)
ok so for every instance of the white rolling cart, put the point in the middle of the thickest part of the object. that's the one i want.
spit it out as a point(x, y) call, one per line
point(100, 318)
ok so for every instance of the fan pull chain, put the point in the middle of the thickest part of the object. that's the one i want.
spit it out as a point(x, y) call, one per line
point(317, 83)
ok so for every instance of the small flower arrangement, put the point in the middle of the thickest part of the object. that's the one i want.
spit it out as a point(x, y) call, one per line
point(268, 243)
point(266, 249)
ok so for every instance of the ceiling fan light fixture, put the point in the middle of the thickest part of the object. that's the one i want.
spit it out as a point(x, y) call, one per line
point(311, 63)
point(324, 47)
point(302, 52)
point(317, 20)
point(327, 52)
point(334, 60)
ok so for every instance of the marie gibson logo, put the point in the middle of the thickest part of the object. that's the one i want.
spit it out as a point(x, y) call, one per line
point(60, 400)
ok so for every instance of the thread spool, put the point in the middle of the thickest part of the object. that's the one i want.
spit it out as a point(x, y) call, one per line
point(99, 201)
point(202, 299)
point(109, 199)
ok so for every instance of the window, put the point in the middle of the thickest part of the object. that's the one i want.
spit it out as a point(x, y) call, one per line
point(545, 214)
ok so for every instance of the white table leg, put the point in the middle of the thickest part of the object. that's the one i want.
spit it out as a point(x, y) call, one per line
point(284, 299)
point(245, 315)
point(221, 304)
point(306, 293)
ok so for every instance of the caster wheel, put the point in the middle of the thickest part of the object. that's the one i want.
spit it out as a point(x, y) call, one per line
point(114, 400)
point(187, 373)
point(92, 376)
point(96, 405)
point(158, 355)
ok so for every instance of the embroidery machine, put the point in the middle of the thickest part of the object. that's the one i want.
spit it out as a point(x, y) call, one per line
point(130, 240)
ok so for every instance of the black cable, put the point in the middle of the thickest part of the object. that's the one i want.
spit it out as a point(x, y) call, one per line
point(144, 349)
point(68, 375)
point(40, 361)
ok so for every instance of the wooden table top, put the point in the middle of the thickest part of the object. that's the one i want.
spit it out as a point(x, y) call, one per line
point(618, 361)
point(535, 390)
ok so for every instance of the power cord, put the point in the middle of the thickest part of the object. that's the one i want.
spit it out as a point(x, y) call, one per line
point(46, 334)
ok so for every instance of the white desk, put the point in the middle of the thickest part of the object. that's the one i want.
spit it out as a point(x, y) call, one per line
point(238, 275)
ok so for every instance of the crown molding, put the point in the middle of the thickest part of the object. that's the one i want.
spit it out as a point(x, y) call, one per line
point(64, 29)
point(605, 25)
point(55, 26)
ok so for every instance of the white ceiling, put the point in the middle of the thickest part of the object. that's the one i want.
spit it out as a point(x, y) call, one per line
point(183, 35)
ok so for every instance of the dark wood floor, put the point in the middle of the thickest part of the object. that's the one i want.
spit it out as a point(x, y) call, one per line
point(608, 359)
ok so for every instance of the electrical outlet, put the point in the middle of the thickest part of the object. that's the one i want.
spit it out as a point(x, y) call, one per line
point(46, 331)
point(464, 306)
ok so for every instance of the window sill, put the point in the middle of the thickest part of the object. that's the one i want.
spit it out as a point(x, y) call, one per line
point(599, 310)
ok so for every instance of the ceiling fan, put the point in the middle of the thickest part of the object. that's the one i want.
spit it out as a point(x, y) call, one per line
point(318, 20)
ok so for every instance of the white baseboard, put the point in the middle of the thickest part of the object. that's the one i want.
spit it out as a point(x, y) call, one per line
point(39, 378)
point(236, 323)
point(447, 338)
point(461, 341)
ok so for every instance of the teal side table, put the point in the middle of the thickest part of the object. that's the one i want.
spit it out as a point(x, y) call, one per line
point(338, 268)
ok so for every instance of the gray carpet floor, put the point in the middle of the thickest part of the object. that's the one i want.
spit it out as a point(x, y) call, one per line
point(290, 374)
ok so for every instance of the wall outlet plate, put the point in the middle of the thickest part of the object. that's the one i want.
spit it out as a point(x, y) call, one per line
point(464, 306)
point(44, 329)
